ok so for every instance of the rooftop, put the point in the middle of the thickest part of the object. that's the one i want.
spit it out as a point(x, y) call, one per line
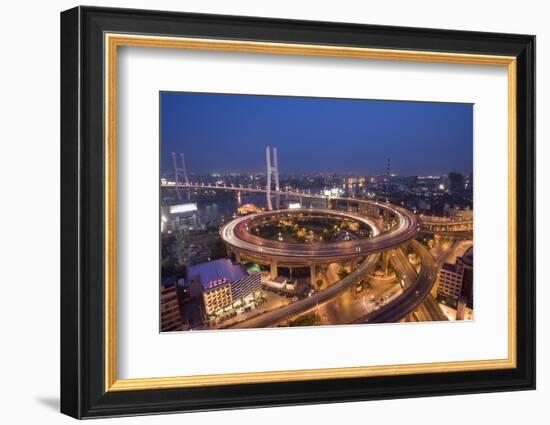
point(216, 273)
point(468, 257)
point(449, 267)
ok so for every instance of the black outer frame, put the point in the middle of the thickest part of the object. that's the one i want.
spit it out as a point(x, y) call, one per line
point(82, 207)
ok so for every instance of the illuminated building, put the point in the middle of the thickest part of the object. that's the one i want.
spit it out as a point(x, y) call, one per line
point(281, 283)
point(248, 209)
point(457, 214)
point(179, 217)
point(456, 280)
point(462, 310)
point(216, 295)
point(224, 283)
point(183, 208)
point(170, 315)
point(334, 192)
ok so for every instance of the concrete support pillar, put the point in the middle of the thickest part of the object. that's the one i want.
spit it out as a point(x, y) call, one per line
point(342, 265)
point(385, 261)
point(313, 275)
point(405, 249)
point(273, 269)
point(353, 264)
point(348, 206)
point(409, 318)
point(239, 257)
point(373, 211)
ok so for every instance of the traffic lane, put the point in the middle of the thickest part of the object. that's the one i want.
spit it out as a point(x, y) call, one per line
point(318, 298)
point(412, 297)
point(408, 227)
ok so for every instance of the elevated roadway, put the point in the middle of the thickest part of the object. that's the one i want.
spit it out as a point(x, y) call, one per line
point(236, 235)
point(416, 287)
point(275, 316)
point(447, 227)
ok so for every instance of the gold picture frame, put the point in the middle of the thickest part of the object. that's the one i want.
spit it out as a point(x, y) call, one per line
point(91, 40)
point(114, 41)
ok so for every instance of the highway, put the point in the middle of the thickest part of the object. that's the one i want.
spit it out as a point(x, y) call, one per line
point(429, 311)
point(440, 221)
point(236, 235)
point(407, 228)
point(444, 227)
point(456, 250)
point(404, 270)
point(247, 189)
point(417, 287)
point(462, 234)
point(272, 317)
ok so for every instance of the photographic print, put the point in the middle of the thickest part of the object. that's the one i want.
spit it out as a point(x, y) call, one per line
point(281, 211)
point(273, 181)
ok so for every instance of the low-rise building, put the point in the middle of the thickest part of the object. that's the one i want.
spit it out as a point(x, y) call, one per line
point(280, 283)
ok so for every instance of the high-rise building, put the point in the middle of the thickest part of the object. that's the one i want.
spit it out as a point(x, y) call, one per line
point(469, 182)
point(170, 314)
point(456, 280)
point(456, 182)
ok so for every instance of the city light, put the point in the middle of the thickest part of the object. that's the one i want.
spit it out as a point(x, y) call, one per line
point(263, 243)
point(182, 208)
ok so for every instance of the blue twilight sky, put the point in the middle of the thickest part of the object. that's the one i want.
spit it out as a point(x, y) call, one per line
point(228, 133)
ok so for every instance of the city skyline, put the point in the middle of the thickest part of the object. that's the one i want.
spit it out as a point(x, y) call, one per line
point(212, 128)
point(284, 212)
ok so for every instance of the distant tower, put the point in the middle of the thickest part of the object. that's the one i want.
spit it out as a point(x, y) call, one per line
point(387, 179)
point(180, 172)
point(272, 171)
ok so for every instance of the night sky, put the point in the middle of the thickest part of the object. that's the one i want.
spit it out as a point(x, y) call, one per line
point(228, 133)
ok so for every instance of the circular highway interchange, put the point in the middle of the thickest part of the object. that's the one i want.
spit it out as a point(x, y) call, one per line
point(239, 235)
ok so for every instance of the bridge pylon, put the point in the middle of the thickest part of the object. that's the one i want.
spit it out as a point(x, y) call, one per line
point(272, 172)
point(180, 171)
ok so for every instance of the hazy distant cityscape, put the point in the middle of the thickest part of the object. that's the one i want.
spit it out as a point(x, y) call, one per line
point(280, 247)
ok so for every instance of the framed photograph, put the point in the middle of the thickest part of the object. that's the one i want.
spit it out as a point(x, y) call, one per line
point(261, 212)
